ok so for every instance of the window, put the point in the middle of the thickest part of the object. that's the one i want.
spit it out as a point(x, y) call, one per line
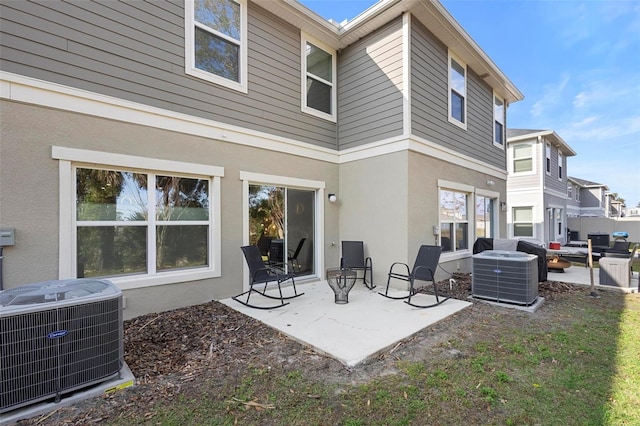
point(498, 121)
point(577, 194)
point(522, 158)
point(523, 221)
point(216, 41)
point(140, 222)
point(454, 220)
point(484, 217)
point(548, 161)
point(570, 191)
point(457, 92)
point(560, 160)
point(318, 80)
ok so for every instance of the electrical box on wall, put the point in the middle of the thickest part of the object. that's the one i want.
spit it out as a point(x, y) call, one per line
point(7, 236)
point(436, 230)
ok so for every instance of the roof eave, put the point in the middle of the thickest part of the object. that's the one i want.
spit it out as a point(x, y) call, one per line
point(430, 12)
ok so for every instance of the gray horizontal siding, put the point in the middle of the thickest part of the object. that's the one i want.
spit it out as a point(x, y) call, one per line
point(135, 51)
point(429, 102)
point(370, 80)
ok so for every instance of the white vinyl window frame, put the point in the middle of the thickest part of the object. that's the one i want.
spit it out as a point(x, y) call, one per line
point(531, 222)
point(494, 197)
point(513, 158)
point(190, 24)
point(498, 120)
point(560, 166)
point(469, 192)
point(70, 158)
point(547, 164)
point(305, 41)
point(460, 91)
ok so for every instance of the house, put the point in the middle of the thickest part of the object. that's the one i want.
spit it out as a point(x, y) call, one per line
point(537, 189)
point(589, 199)
point(146, 142)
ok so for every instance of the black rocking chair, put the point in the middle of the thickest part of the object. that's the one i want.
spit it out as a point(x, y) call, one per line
point(260, 273)
point(292, 257)
point(353, 258)
point(423, 270)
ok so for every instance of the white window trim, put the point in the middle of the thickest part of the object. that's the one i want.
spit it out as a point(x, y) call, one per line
point(470, 191)
point(453, 120)
point(560, 166)
point(511, 222)
point(71, 157)
point(190, 57)
point(303, 81)
point(547, 158)
point(495, 214)
point(501, 121)
point(511, 159)
point(248, 178)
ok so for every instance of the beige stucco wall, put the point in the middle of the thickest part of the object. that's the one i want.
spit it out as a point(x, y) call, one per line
point(373, 202)
point(29, 193)
point(391, 203)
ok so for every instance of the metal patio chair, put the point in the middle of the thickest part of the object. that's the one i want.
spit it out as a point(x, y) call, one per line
point(423, 270)
point(353, 258)
point(292, 256)
point(260, 273)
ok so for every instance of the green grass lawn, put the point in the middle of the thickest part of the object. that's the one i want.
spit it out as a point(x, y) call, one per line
point(575, 364)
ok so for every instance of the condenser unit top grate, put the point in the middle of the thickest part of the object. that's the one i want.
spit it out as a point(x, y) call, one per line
point(56, 292)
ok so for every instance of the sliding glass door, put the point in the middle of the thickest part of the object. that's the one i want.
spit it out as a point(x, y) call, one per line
point(282, 224)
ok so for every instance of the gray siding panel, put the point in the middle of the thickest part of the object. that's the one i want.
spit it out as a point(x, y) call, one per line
point(429, 102)
point(135, 51)
point(369, 88)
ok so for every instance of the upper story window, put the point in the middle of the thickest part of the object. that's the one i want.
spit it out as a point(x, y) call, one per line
point(577, 194)
point(560, 161)
point(318, 79)
point(570, 191)
point(522, 158)
point(216, 41)
point(457, 92)
point(548, 159)
point(498, 121)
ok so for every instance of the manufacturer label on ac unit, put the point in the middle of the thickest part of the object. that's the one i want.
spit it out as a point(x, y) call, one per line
point(57, 334)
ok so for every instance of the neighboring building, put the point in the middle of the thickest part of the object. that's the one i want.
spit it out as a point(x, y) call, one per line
point(148, 141)
point(537, 189)
point(589, 199)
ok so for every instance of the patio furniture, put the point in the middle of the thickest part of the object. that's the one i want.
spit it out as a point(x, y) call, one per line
point(353, 258)
point(620, 249)
point(260, 273)
point(341, 281)
point(617, 271)
point(263, 244)
point(423, 270)
point(275, 254)
point(292, 256)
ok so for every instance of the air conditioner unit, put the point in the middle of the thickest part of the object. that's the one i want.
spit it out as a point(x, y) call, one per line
point(57, 337)
point(505, 276)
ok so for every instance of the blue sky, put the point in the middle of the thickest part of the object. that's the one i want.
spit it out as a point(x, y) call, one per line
point(577, 64)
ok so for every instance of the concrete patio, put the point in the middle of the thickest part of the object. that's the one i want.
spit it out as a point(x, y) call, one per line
point(351, 332)
point(370, 323)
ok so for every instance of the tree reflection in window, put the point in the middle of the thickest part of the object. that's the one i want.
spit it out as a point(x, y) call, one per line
point(113, 214)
